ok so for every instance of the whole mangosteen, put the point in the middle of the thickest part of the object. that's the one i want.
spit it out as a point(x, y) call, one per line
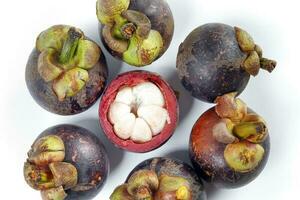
point(66, 72)
point(138, 111)
point(161, 179)
point(136, 31)
point(67, 162)
point(216, 59)
point(229, 143)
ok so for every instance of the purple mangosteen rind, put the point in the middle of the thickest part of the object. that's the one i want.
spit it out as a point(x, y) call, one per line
point(213, 61)
point(173, 167)
point(85, 151)
point(225, 177)
point(43, 93)
point(229, 143)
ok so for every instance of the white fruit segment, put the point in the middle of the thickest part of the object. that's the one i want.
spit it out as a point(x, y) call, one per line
point(155, 116)
point(141, 132)
point(125, 126)
point(148, 94)
point(125, 95)
point(117, 111)
point(138, 113)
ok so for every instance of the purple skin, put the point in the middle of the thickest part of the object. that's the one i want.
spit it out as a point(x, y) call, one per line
point(160, 15)
point(44, 95)
point(173, 167)
point(212, 166)
point(209, 62)
point(86, 152)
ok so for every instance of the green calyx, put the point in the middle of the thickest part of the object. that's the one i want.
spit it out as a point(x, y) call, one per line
point(70, 83)
point(54, 194)
point(254, 132)
point(254, 62)
point(46, 150)
point(129, 33)
point(243, 156)
point(64, 52)
point(243, 133)
point(121, 193)
point(177, 187)
point(227, 106)
point(146, 185)
point(45, 170)
point(107, 10)
point(143, 52)
point(142, 184)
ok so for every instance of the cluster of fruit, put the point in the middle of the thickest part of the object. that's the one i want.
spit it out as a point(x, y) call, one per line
point(67, 73)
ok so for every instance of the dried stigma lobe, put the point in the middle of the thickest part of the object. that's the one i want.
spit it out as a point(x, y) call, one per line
point(65, 56)
point(138, 112)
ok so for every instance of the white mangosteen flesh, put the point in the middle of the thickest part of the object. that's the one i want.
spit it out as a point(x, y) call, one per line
point(138, 112)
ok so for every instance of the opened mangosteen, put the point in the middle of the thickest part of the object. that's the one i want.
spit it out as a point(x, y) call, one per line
point(138, 111)
point(216, 59)
point(229, 143)
point(161, 179)
point(66, 72)
point(66, 162)
point(136, 31)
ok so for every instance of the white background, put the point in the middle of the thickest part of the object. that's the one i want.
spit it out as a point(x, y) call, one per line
point(273, 24)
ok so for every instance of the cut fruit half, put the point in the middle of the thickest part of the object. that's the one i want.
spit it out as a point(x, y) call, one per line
point(138, 111)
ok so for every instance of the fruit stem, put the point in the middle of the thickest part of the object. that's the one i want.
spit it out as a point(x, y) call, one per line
point(70, 46)
point(267, 64)
point(127, 30)
point(120, 22)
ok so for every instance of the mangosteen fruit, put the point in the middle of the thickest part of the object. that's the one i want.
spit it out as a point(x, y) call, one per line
point(66, 162)
point(138, 111)
point(161, 179)
point(66, 72)
point(229, 143)
point(216, 59)
point(136, 31)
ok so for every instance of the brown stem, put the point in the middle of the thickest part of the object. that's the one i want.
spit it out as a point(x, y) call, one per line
point(127, 30)
point(70, 46)
point(267, 64)
point(142, 22)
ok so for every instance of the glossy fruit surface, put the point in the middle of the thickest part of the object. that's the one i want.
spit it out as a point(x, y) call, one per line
point(68, 161)
point(66, 72)
point(144, 85)
point(161, 179)
point(136, 31)
point(229, 153)
point(216, 59)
